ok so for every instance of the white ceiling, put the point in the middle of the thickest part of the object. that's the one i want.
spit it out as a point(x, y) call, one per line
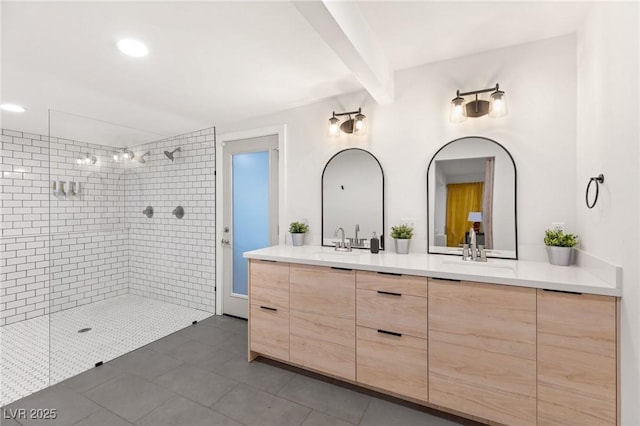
point(214, 63)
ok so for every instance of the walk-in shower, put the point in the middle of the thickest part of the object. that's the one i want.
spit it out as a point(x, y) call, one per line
point(88, 260)
point(170, 154)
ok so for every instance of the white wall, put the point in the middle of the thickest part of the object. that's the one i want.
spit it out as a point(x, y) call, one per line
point(607, 142)
point(540, 82)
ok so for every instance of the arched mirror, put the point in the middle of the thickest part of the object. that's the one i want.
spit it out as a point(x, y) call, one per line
point(353, 198)
point(471, 183)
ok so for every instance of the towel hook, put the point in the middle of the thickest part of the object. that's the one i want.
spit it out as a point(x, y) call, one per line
point(598, 180)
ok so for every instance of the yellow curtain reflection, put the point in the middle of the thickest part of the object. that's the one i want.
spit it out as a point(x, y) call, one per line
point(462, 198)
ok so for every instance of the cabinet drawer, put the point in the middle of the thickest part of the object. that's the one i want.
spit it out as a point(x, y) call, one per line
point(324, 357)
point(269, 284)
point(397, 312)
point(403, 284)
point(394, 363)
point(322, 290)
point(269, 331)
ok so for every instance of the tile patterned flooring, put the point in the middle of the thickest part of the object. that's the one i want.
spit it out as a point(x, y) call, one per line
point(200, 376)
point(118, 325)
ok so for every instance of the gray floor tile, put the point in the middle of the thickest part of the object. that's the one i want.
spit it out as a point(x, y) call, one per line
point(196, 384)
point(316, 418)
point(183, 412)
point(103, 418)
point(168, 343)
point(226, 323)
point(69, 406)
point(145, 363)
point(212, 336)
point(237, 344)
point(255, 407)
point(327, 398)
point(384, 413)
point(8, 421)
point(194, 352)
point(91, 378)
point(257, 374)
point(130, 396)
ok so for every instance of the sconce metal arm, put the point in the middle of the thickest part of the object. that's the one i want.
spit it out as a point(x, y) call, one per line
point(475, 92)
point(359, 111)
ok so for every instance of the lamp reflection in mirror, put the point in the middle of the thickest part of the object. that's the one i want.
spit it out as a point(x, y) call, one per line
point(476, 218)
point(496, 107)
point(355, 125)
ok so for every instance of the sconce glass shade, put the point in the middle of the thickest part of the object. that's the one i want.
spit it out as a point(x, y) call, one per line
point(334, 128)
point(498, 104)
point(458, 112)
point(359, 125)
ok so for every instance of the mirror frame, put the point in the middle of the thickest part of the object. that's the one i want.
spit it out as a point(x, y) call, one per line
point(381, 236)
point(515, 195)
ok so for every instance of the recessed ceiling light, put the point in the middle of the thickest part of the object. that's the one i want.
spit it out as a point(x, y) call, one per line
point(12, 108)
point(132, 47)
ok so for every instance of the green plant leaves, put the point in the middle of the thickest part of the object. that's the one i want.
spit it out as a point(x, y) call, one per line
point(402, 232)
point(298, 228)
point(557, 238)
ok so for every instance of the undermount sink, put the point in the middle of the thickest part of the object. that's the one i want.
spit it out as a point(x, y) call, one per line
point(471, 266)
point(336, 255)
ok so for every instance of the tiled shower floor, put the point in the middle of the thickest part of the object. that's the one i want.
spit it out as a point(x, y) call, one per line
point(118, 325)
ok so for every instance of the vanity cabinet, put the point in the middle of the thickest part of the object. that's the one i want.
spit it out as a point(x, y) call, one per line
point(577, 354)
point(269, 308)
point(392, 333)
point(482, 350)
point(499, 353)
point(323, 319)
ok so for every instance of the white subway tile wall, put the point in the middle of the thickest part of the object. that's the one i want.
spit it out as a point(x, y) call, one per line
point(173, 259)
point(98, 242)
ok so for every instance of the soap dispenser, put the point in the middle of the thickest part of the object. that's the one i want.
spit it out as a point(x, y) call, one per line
point(374, 244)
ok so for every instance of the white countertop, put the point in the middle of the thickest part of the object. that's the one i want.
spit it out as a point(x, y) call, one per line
point(521, 273)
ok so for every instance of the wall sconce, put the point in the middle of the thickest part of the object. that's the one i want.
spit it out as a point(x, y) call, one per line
point(355, 125)
point(496, 107)
point(88, 159)
point(125, 154)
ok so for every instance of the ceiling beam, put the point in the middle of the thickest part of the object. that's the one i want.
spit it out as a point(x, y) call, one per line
point(343, 27)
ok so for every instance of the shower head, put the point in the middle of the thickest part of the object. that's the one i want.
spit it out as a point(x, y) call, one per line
point(170, 154)
point(142, 159)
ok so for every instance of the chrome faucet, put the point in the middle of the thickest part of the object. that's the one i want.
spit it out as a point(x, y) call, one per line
point(341, 245)
point(357, 241)
point(473, 251)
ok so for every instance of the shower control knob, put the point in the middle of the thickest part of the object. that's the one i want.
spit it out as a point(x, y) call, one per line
point(225, 241)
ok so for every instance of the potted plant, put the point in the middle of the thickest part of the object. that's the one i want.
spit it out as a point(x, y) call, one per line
point(298, 231)
point(401, 238)
point(559, 246)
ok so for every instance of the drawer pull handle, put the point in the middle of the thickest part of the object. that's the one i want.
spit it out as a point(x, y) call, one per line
point(390, 332)
point(445, 279)
point(341, 269)
point(389, 293)
point(561, 291)
point(390, 273)
point(271, 261)
point(268, 308)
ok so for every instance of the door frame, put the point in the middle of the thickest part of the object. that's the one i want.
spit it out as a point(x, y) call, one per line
point(280, 132)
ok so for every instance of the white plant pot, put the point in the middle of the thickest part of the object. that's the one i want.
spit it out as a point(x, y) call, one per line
point(561, 256)
point(298, 239)
point(402, 246)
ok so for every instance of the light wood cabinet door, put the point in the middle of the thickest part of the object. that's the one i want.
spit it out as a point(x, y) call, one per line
point(392, 361)
point(269, 282)
point(393, 311)
point(323, 310)
point(323, 290)
point(577, 353)
point(482, 350)
point(269, 331)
